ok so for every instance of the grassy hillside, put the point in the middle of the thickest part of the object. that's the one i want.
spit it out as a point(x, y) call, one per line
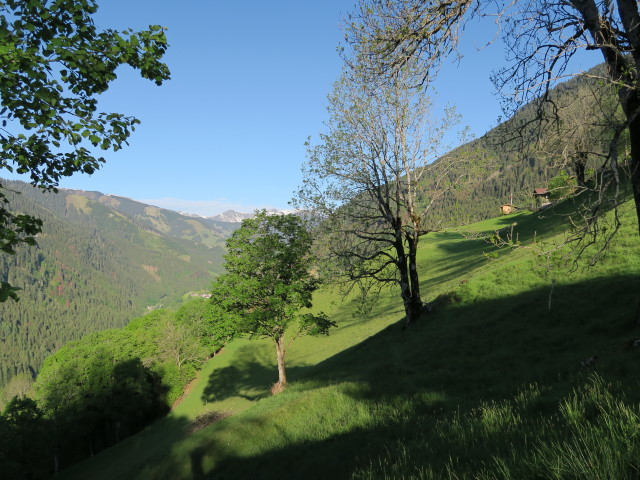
point(493, 385)
point(521, 154)
point(160, 221)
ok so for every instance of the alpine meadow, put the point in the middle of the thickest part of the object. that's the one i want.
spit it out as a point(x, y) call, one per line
point(436, 295)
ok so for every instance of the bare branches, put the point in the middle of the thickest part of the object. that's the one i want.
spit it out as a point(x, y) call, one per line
point(392, 34)
point(365, 179)
point(541, 39)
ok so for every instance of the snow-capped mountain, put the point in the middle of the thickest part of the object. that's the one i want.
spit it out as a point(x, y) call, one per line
point(233, 216)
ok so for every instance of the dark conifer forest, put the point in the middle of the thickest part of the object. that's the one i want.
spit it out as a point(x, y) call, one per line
point(99, 261)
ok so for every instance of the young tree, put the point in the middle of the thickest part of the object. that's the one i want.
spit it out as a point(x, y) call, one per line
point(268, 282)
point(197, 316)
point(179, 344)
point(18, 386)
point(373, 181)
point(54, 64)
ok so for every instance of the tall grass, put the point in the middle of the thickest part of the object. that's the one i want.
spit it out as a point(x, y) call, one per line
point(592, 435)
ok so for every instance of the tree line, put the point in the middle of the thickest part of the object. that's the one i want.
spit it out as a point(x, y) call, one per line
point(87, 273)
point(95, 391)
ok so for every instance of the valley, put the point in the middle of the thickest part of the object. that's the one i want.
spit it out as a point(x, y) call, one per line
point(431, 401)
point(100, 261)
point(431, 286)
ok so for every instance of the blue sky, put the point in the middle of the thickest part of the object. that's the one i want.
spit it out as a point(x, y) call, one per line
point(249, 85)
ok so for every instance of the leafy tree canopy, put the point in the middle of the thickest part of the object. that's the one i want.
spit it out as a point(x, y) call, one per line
point(269, 281)
point(54, 63)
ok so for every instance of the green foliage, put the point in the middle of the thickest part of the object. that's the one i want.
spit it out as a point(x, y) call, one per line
point(268, 282)
point(207, 322)
point(561, 185)
point(97, 265)
point(268, 277)
point(55, 62)
point(24, 449)
point(19, 386)
point(96, 391)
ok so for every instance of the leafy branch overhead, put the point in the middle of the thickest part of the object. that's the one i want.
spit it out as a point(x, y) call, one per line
point(55, 62)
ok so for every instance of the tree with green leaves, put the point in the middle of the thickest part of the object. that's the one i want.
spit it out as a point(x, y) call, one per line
point(196, 316)
point(269, 282)
point(55, 62)
point(24, 446)
point(18, 386)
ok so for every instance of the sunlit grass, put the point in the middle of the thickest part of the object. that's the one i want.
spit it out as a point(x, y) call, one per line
point(491, 386)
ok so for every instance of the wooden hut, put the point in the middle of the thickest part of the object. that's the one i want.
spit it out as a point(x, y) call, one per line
point(542, 196)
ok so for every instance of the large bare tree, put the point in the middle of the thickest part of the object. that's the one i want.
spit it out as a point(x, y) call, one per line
point(364, 178)
point(542, 36)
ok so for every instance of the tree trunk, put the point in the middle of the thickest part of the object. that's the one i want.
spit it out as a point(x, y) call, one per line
point(630, 102)
point(620, 70)
point(409, 284)
point(280, 353)
point(579, 165)
point(56, 461)
point(416, 301)
point(634, 136)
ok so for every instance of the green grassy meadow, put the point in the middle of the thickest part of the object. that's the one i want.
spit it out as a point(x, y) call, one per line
point(489, 386)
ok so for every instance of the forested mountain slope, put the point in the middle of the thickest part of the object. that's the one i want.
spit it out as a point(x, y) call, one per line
point(100, 261)
point(522, 153)
point(103, 258)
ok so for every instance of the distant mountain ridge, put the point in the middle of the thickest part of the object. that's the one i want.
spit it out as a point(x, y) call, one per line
point(233, 216)
point(101, 260)
point(208, 230)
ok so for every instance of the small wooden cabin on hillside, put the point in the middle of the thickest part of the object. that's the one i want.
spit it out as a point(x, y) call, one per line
point(542, 196)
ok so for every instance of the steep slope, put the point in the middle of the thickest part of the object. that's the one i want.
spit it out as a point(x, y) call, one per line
point(521, 154)
point(482, 388)
point(100, 261)
point(163, 222)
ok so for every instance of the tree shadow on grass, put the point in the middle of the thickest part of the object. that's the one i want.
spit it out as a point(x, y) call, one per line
point(471, 355)
point(249, 377)
point(470, 347)
point(466, 356)
point(132, 455)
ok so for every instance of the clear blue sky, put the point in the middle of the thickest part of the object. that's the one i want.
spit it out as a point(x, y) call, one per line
point(249, 85)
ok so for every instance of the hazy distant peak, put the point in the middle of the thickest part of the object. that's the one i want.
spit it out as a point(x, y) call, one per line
point(233, 216)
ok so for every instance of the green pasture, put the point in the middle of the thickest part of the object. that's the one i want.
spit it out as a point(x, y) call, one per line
point(496, 383)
